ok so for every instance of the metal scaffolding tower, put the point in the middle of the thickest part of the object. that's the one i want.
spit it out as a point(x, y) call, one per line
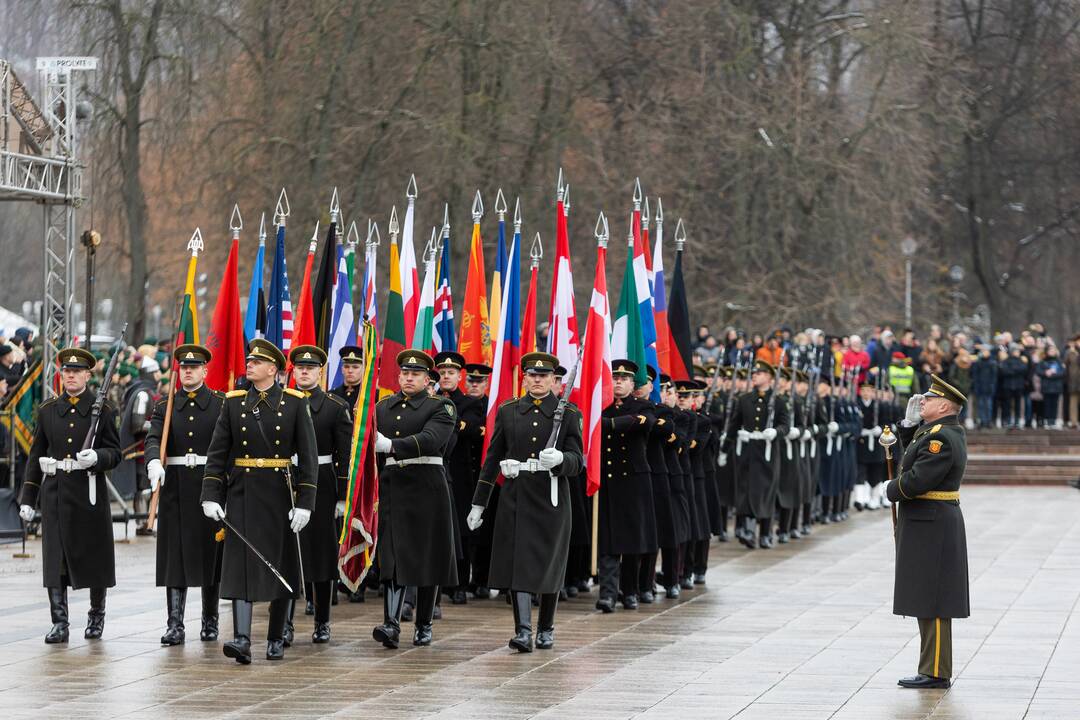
point(39, 162)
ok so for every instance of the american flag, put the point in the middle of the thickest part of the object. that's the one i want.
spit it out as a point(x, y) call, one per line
point(279, 323)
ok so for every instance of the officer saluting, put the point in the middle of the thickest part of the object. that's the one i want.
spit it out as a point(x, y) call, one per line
point(931, 545)
point(249, 475)
point(188, 554)
point(416, 531)
point(76, 519)
point(532, 535)
point(333, 437)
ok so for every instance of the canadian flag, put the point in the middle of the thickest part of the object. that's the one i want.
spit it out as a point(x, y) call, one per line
point(595, 376)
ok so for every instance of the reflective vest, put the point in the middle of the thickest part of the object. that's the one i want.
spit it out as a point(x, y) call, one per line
point(901, 378)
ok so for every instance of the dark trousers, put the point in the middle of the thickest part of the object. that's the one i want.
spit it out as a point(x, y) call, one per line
point(577, 565)
point(647, 573)
point(701, 557)
point(607, 570)
point(1050, 407)
point(629, 574)
point(985, 406)
point(671, 565)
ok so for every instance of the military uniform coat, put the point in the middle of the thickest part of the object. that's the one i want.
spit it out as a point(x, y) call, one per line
point(77, 537)
point(725, 474)
point(757, 478)
point(830, 472)
point(686, 424)
point(661, 436)
point(680, 510)
point(333, 436)
point(416, 524)
point(627, 523)
point(463, 462)
point(256, 499)
point(931, 543)
point(708, 464)
point(531, 537)
point(788, 494)
point(188, 555)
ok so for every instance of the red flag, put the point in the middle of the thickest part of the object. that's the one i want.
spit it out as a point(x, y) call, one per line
point(528, 323)
point(562, 320)
point(226, 339)
point(304, 329)
point(474, 343)
point(595, 378)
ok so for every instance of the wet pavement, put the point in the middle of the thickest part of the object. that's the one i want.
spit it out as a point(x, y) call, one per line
point(800, 632)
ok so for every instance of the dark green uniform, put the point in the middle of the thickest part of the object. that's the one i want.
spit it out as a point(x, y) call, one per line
point(931, 545)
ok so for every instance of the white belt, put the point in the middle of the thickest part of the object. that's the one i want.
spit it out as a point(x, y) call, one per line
point(531, 465)
point(189, 460)
point(423, 460)
point(323, 459)
point(68, 465)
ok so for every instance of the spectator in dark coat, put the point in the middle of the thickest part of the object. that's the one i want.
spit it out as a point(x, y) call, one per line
point(1051, 373)
point(1012, 375)
point(984, 383)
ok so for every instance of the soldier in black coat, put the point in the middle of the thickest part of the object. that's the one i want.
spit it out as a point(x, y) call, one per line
point(756, 450)
point(532, 526)
point(477, 543)
point(931, 543)
point(188, 551)
point(661, 436)
point(332, 420)
point(352, 374)
point(68, 483)
point(249, 475)
point(788, 497)
point(579, 556)
point(671, 552)
point(702, 460)
point(686, 421)
point(869, 455)
point(725, 467)
point(416, 524)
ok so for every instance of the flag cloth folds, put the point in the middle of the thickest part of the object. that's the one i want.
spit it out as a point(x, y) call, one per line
point(679, 322)
point(187, 327)
point(21, 402)
point(595, 375)
point(660, 314)
point(255, 317)
point(409, 277)
point(475, 340)
point(425, 312)
point(627, 339)
point(369, 306)
point(497, 283)
point(643, 283)
point(528, 321)
point(562, 320)
point(444, 335)
point(226, 338)
point(394, 330)
point(507, 352)
point(360, 527)
point(322, 295)
point(343, 331)
point(304, 332)
point(279, 321)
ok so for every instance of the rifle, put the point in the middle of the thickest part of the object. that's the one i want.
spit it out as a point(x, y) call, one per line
point(95, 412)
point(772, 403)
point(557, 420)
point(812, 400)
point(729, 407)
point(832, 399)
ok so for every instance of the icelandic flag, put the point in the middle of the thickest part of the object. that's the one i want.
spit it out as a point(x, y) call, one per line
point(444, 335)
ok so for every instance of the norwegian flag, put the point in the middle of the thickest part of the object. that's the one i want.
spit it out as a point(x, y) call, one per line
point(444, 335)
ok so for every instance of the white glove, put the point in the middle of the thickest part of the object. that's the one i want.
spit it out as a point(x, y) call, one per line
point(550, 458)
point(475, 518)
point(833, 428)
point(769, 434)
point(299, 517)
point(382, 443)
point(721, 459)
point(156, 474)
point(26, 512)
point(339, 509)
point(213, 510)
point(510, 468)
point(743, 435)
point(913, 415)
point(806, 435)
point(86, 459)
point(47, 465)
point(877, 431)
point(794, 433)
point(815, 428)
point(867, 432)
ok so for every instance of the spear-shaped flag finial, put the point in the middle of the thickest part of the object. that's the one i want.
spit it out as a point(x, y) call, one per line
point(601, 230)
point(659, 211)
point(393, 227)
point(566, 199)
point(410, 190)
point(353, 236)
point(236, 223)
point(517, 214)
point(680, 235)
point(335, 206)
point(262, 229)
point(645, 214)
point(282, 210)
point(446, 219)
point(431, 248)
point(637, 193)
point(195, 244)
point(559, 186)
point(630, 234)
point(373, 238)
point(500, 204)
point(477, 208)
point(536, 252)
point(315, 237)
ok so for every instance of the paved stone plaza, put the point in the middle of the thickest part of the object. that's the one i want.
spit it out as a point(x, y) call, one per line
point(796, 633)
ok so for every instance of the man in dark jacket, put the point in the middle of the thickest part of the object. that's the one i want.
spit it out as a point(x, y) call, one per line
point(1051, 373)
point(931, 544)
point(69, 485)
point(984, 382)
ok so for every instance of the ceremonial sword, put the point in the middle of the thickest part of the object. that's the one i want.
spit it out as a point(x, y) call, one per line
point(259, 555)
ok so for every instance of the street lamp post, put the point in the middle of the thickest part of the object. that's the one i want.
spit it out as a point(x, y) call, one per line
point(956, 274)
point(908, 247)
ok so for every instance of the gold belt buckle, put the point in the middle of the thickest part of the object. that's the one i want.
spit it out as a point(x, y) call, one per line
point(258, 462)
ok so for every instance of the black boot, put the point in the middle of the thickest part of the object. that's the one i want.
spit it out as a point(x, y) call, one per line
point(209, 630)
point(95, 619)
point(545, 624)
point(58, 608)
point(288, 632)
point(239, 648)
point(410, 603)
point(522, 604)
point(309, 595)
point(276, 626)
point(425, 613)
point(175, 599)
point(322, 591)
point(390, 631)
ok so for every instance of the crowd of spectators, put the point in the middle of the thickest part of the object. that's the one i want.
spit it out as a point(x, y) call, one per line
point(1027, 380)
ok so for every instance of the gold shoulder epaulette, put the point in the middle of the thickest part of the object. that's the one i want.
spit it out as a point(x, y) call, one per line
point(219, 394)
point(236, 393)
point(294, 392)
point(935, 428)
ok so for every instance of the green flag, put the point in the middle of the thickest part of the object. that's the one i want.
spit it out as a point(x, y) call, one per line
point(18, 412)
point(627, 338)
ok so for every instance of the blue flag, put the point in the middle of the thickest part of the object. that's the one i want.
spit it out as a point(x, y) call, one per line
point(255, 317)
point(279, 316)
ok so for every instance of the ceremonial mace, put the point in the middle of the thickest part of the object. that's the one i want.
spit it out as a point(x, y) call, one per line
point(887, 440)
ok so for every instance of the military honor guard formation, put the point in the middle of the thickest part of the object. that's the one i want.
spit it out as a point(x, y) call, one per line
point(329, 464)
